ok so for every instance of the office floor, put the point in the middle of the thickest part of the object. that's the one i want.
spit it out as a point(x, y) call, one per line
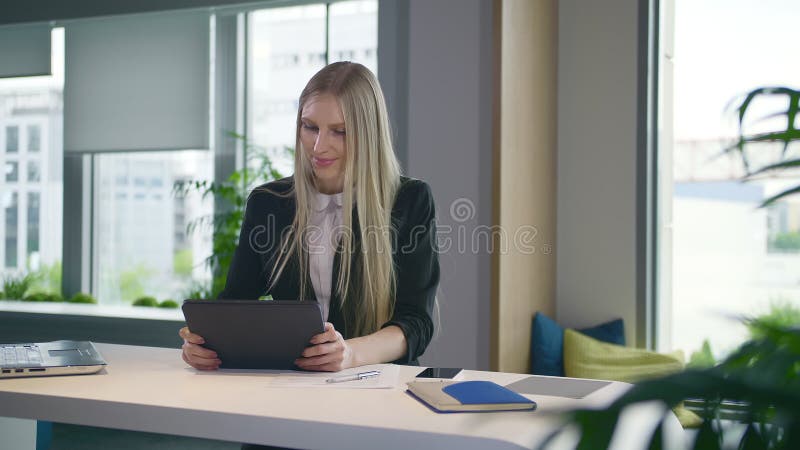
point(73, 437)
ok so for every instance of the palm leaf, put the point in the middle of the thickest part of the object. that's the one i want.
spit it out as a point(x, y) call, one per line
point(779, 196)
point(785, 136)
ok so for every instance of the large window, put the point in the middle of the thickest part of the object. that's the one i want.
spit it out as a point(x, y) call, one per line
point(148, 240)
point(31, 185)
point(280, 67)
point(729, 257)
point(138, 235)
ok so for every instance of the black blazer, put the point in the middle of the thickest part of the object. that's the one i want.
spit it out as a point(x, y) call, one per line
point(415, 255)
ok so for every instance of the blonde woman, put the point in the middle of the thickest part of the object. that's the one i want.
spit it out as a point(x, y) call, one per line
point(346, 230)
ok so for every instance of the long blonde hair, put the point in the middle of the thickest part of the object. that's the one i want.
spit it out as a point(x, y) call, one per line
point(371, 181)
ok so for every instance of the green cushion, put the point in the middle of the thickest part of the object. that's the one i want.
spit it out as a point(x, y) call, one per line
point(585, 357)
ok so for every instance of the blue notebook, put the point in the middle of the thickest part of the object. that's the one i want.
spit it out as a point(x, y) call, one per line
point(468, 396)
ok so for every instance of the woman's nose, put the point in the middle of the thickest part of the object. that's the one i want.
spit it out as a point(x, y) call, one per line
point(321, 142)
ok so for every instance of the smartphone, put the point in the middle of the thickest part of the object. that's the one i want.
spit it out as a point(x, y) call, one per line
point(439, 372)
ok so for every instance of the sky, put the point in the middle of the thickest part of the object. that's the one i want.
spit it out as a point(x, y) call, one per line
point(724, 48)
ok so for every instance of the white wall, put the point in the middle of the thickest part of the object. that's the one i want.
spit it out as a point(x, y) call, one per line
point(449, 146)
point(597, 150)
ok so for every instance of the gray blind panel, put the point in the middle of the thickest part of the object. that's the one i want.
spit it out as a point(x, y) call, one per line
point(137, 83)
point(24, 50)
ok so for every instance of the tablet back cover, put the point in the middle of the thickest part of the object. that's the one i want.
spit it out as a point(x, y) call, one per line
point(255, 334)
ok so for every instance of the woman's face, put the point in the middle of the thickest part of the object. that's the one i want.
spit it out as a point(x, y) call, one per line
point(322, 133)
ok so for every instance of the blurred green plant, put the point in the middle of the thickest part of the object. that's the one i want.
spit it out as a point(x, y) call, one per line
point(785, 135)
point(145, 301)
point(35, 297)
point(54, 298)
point(763, 376)
point(182, 263)
point(702, 358)
point(43, 297)
point(781, 313)
point(198, 291)
point(132, 282)
point(169, 303)
point(82, 297)
point(16, 286)
point(785, 242)
point(232, 195)
point(47, 278)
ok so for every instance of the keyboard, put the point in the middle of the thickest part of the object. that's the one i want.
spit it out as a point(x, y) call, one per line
point(20, 355)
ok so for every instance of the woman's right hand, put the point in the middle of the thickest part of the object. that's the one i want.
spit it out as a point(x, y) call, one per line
point(196, 356)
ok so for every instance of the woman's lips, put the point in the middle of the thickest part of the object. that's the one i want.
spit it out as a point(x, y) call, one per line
point(322, 162)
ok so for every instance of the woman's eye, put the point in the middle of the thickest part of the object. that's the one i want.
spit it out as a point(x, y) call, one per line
point(309, 127)
point(340, 132)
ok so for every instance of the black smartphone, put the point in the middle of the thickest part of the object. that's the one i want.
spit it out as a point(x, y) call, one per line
point(439, 372)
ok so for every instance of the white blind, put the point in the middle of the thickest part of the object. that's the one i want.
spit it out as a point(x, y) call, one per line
point(24, 50)
point(137, 83)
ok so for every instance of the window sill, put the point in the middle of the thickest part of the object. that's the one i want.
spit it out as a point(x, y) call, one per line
point(76, 309)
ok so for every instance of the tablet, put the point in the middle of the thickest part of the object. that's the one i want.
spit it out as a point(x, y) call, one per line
point(255, 334)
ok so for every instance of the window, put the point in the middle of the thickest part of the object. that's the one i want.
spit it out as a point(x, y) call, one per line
point(281, 67)
point(34, 138)
point(729, 257)
point(142, 244)
point(12, 139)
point(12, 171)
point(11, 207)
point(33, 228)
point(31, 188)
point(353, 33)
point(34, 173)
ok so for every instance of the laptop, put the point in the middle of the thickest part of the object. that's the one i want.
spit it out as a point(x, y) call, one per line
point(49, 358)
point(255, 334)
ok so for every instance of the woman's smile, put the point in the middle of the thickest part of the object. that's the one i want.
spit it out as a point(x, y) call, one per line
point(322, 162)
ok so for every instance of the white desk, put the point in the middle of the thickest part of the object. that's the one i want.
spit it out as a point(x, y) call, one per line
point(152, 389)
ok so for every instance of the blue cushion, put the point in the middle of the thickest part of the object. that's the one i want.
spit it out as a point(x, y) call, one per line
point(547, 342)
point(612, 332)
point(547, 347)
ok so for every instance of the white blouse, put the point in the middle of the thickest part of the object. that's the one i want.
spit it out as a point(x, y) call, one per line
point(325, 218)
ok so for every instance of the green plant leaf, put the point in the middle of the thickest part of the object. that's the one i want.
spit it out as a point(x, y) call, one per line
point(780, 195)
point(657, 439)
point(783, 165)
point(597, 428)
point(708, 438)
point(752, 439)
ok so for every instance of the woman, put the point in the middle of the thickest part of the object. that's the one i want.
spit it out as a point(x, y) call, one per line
point(374, 270)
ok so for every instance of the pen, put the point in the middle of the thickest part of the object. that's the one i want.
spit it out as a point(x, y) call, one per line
point(354, 377)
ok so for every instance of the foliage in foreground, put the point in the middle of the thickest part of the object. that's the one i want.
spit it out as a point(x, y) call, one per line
point(763, 375)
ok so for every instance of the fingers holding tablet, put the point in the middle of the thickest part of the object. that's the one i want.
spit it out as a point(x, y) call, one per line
point(196, 356)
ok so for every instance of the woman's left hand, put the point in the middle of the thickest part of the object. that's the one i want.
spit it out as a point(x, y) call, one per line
point(329, 352)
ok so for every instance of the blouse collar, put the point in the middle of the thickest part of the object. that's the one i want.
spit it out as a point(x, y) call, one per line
point(325, 201)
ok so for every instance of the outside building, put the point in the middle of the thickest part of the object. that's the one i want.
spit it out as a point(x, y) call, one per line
point(31, 183)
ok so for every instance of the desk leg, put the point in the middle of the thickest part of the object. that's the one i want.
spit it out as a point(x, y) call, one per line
point(18, 433)
point(44, 435)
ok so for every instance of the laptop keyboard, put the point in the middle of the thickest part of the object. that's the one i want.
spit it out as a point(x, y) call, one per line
point(20, 355)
